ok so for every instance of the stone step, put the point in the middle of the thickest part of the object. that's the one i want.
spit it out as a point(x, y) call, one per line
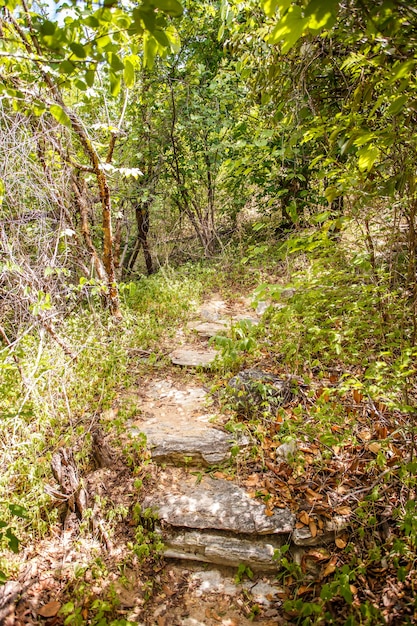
point(223, 549)
point(201, 446)
point(175, 420)
point(206, 330)
point(189, 356)
point(216, 521)
point(181, 501)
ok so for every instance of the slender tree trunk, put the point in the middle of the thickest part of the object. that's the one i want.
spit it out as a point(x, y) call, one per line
point(142, 220)
point(78, 186)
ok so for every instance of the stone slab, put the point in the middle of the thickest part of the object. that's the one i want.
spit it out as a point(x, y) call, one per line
point(211, 547)
point(176, 422)
point(209, 329)
point(192, 357)
point(192, 445)
point(244, 317)
point(216, 505)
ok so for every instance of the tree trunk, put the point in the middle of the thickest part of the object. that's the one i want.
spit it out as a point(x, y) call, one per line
point(142, 220)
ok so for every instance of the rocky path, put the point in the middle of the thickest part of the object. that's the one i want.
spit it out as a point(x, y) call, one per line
point(204, 517)
point(219, 539)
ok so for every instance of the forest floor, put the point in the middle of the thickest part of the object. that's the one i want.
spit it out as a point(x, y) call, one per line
point(104, 565)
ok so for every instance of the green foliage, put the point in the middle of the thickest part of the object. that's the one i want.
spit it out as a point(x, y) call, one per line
point(234, 348)
point(7, 534)
point(148, 543)
point(243, 571)
point(334, 314)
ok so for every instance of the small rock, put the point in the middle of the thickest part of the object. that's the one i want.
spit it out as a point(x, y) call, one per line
point(333, 527)
point(261, 307)
point(246, 319)
point(256, 391)
point(287, 450)
point(212, 581)
point(262, 592)
point(286, 294)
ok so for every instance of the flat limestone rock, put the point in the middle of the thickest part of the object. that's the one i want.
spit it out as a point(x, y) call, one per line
point(211, 547)
point(192, 357)
point(216, 505)
point(244, 317)
point(209, 329)
point(213, 310)
point(192, 445)
point(176, 422)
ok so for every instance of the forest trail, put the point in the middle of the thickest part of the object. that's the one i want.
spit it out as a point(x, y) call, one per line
point(208, 517)
point(212, 526)
point(208, 521)
point(219, 540)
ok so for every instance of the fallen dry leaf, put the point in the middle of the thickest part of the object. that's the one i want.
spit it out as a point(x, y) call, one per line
point(357, 396)
point(341, 543)
point(319, 554)
point(365, 434)
point(252, 480)
point(374, 447)
point(313, 528)
point(313, 494)
point(343, 510)
point(50, 609)
point(304, 518)
point(330, 567)
point(382, 431)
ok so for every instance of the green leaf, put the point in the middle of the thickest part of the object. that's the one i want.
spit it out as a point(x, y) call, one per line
point(161, 38)
point(89, 77)
point(173, 38)
point(47, 28)
point(150, 48)
point(269, 7)
point(289, 29)
point(115, 62)
point(38, 107)
point(78, 49)
point(59, 114)
point(404, 69)
point(331, 193)
point(367, 157)
point(397, 105)
point(66, 67)
point(81, 85)
point(170, 7)
point(129, 73)
point(2, 192)
point(18, 511)
point(115, 84)
point(321, 14)
point(13, 540)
